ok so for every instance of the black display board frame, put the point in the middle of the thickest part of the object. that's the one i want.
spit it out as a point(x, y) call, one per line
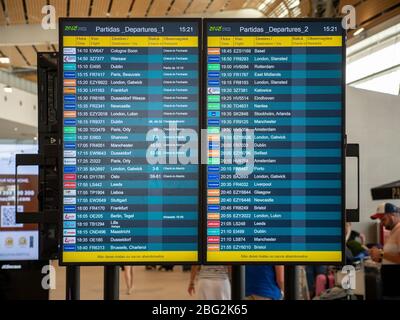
point(62, 22)
point(206, 21)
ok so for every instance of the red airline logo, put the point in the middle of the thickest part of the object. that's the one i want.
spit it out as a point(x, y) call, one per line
point(213, 224)
point(213, 239)
point(70, 176)
point(69, 185)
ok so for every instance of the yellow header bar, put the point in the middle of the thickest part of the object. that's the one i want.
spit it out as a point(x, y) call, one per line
point(284, 41)
point(274, 256)
point(130, 41)
point(130, 256)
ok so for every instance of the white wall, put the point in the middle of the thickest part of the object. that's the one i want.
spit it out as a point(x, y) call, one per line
point(19, 106)
point(373, 121)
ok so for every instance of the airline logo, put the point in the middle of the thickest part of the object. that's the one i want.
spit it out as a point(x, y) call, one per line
point(70, 66)
point(70, 169)
point(213, 130)
point(69, 98)
point(213, 169)
point(213, 74)
point(213, 216)
point(210, 247)
point(214, 161)
point(69, 90)
point(69, 137)
point(69, 247)
point(69, 145)
point(213, 239)
point(69, 51)
point(69, 185)
point(69, 192)
point(69, 200)
point(70, 82)
point(69, 224)
point(69, 114)
point(213, 177)
point(214, 67)
point(213, 153)
point(69, 233)
point(69, 59)
point(213, 224)
point(70, 176)
point(213, 232)
point(70, 106)
point(69, 216)
point(210, 59)
point(69, 209)
point(213, 208)
point(69, 129)
point(214, 90)
point(69, 75)
point(214, 106)
point(213, 192)
point(70, 122)
point(70, 161)
point(212, 122)
point(213, 184)
point(68, 240)
point(69, 153)
point(213, 145)
point(213, 137)
point(213, 200)
point(213, 82)
point(212, 51)
point(213, 98)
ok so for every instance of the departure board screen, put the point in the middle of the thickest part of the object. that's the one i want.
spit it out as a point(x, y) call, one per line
point(275, 108)
point(130, 104)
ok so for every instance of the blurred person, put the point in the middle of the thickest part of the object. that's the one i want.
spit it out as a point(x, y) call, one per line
point(264, 282)
point(354, 235)
point(213, 282)
point(312, 272)
point(128, 276)
point(166, 267)
point(389, 257)
point(355, 242)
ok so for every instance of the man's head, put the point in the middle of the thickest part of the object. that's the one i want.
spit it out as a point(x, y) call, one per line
point(389, 215)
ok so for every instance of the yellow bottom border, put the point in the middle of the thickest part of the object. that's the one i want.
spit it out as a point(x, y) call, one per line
point(271, 256)
point(136, 256)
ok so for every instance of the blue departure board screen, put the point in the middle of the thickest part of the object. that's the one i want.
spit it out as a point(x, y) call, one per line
point(130, 92)
point(275, 121)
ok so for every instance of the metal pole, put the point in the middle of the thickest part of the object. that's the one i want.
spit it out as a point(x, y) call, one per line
point(73, 283)
point(111, 283)
point(290, 282)
point(238, 282)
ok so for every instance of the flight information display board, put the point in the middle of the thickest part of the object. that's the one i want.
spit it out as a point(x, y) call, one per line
point(126, 85)
point(275, 121)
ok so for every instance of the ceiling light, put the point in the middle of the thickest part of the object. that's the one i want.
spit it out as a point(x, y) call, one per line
point(358, 32)
point(7, 89)
point(4, 60)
